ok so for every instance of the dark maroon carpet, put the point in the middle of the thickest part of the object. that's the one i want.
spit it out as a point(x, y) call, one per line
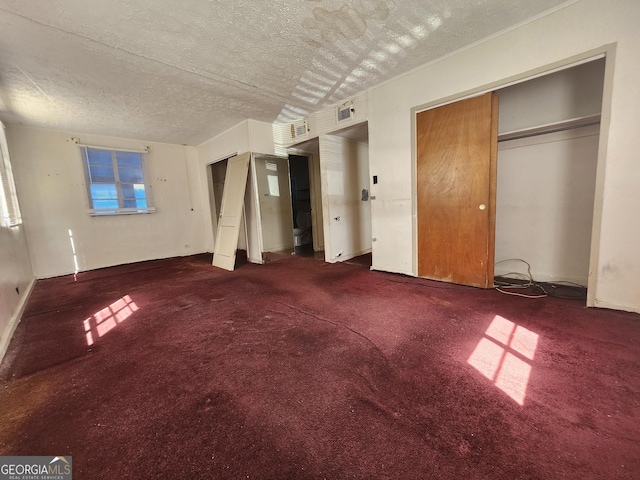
point(299, 369)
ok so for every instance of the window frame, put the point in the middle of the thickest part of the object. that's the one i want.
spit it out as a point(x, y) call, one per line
point(11, 215)
point(121, 209)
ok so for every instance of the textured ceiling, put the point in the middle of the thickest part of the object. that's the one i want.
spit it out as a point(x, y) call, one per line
point(182, 72)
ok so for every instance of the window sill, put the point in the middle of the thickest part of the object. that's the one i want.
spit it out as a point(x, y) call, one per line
point(121, 211)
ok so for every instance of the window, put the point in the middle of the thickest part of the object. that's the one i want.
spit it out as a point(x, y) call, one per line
point(116, 182)
point(9, 207)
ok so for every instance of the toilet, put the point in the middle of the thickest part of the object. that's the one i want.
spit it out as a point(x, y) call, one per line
point(302, 234)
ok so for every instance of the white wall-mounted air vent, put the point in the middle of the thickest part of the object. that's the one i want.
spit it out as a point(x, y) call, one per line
point(299, 129)
point(345, 111)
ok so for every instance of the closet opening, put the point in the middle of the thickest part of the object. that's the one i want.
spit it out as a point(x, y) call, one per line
point(548, 136)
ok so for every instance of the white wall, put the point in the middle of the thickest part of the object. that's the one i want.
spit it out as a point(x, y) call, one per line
point(51, 185)
point(344, 171)
point(16, 275)
point(567, 33)
point(568, 94)
point(16, 281)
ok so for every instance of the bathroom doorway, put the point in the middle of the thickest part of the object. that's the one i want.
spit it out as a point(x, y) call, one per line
point(301, 205)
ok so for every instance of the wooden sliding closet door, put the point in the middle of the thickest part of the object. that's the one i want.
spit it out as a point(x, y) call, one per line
point(456, 174)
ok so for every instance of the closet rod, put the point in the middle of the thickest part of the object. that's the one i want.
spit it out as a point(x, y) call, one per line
point(551, 128)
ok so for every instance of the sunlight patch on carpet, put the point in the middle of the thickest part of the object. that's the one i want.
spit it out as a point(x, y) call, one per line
point(504, 356)
point(105, 320)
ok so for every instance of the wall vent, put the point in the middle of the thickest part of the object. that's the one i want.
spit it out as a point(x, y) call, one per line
point(299, 130)
point(345, 111)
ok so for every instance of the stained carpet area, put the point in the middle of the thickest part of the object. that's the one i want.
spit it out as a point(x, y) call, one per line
point(299, 369)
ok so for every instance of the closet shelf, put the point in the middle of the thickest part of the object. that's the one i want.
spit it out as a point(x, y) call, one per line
point(551, 127)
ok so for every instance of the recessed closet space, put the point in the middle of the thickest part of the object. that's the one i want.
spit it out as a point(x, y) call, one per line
point(548, 138)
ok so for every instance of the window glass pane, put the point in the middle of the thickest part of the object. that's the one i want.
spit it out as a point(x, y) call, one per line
point(9, 206)
point(274, 189)
point(99, 157)
point(139, 190)
point(128, 159)
point(116, 182)
point(101, 174)
point(103, 191)
point(127, 190)
point(130, 175)
point(133, 195)
point(134, 203)
point(105, 204)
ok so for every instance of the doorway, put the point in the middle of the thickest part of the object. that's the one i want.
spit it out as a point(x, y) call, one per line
point(274, 204)
point(299, 176)
point(344, 156)
point(217, 173)
point(304, 161)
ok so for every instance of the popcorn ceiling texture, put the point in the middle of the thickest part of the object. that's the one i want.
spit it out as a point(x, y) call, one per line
point(182, 72)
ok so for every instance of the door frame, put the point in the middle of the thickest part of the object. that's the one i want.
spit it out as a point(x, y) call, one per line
point(606, 51)
point(315, 192)
point(256, 196)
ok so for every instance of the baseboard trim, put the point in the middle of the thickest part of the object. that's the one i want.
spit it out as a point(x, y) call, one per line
point(379, 268)
point(616, 306)
point(7, 335)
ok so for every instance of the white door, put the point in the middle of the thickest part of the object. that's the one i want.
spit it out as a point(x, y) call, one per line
point(274, 192)
point(224, 254)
